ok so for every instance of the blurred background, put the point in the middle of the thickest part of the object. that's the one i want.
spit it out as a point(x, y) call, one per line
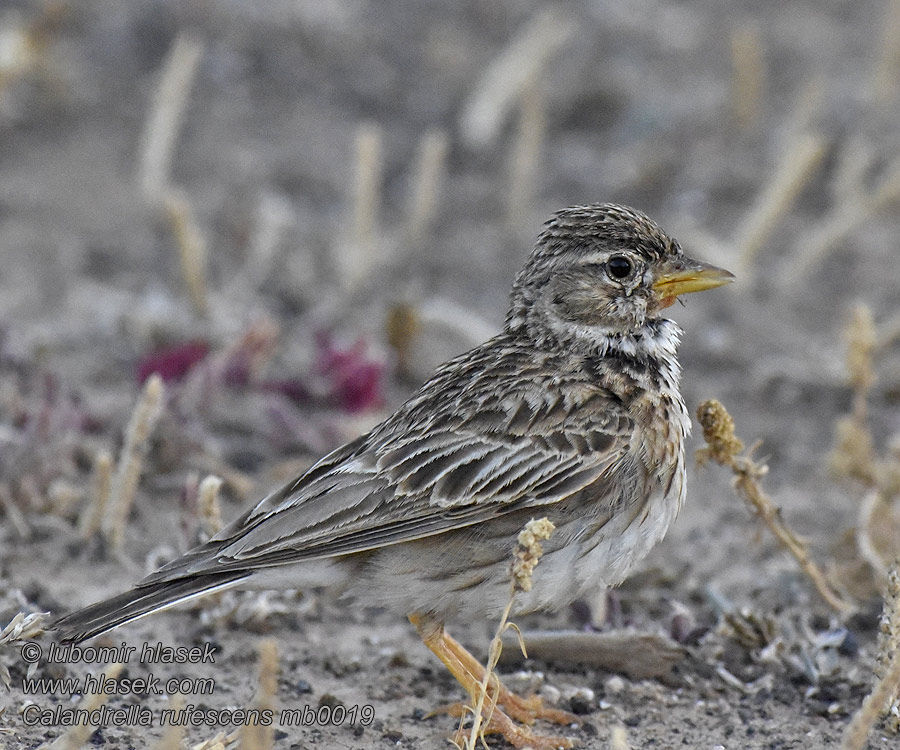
point(293, 210)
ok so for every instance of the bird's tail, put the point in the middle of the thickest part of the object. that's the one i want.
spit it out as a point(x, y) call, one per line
point(142, 600)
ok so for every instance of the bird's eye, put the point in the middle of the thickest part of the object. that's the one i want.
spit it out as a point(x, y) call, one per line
point(618, 266)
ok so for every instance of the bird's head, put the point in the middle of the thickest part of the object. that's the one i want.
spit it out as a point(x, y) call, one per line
point(603, 270)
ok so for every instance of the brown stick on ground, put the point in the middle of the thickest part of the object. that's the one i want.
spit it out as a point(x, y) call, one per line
point(723, 447)
point(884, 693)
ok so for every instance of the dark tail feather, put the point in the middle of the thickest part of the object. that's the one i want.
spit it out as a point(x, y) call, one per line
point(141, 600)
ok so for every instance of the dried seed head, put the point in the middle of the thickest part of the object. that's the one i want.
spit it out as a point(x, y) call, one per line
point(208, 505)
point(528, 552)
point(889, 641)
point(718, 431)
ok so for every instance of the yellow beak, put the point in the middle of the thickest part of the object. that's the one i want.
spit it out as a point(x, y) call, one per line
point(683, 275)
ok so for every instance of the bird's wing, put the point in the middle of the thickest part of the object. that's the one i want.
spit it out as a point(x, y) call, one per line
point(428, 470)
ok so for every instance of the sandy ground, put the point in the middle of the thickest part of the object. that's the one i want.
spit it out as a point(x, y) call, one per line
point(641, 103)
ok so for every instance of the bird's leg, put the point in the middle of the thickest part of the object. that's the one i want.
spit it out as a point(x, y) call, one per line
point(526, 710)
point(466, 671)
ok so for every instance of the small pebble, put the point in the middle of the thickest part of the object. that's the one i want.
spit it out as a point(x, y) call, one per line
point(332, 701)
point(614, 685)
point(550, 694)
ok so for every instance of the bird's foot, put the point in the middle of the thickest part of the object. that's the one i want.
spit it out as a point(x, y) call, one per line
point(524, 710)
point(517, 735)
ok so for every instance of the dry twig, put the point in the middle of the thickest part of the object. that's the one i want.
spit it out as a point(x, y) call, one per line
point(208, 505)
point(426, 183)
point(883, 698)
point(171, 739)
point(504, 80)
point(618, 739)
point(748, 74)
point(75, 736)
point(887, 72)
point(124, 484)
point(723, 447)
point(92, 514)
point(166, 115)
point(191, 243)
point(803, 154)
point(525, 154)
point(846, 217)
point(257, 736)
point(526, 556)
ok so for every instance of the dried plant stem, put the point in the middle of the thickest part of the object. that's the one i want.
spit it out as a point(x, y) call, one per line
point(504, 80)
point(128, 472)
point(92, 514)
point(843, 220)
point(354, 251)
point(526, 556)
point(221, 741)
point(887, 71)
point(803, 154)
point(13, 514)
point(864, 543)
point(525, 155)
point(618, 739)
point(257, 736)
point(873, 706)
point(166, 115)
point(496, 646)
point(889, 642)
point(854, 160)
point(367, 183)
point(854, 454)
point(208, 505)
point(723, 448)
point(75, 736)
point(748, 75)
point(191, 245)
point(171, 739)
point(426, 183)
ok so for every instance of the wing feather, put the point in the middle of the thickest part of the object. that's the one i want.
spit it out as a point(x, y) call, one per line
point(504, 447)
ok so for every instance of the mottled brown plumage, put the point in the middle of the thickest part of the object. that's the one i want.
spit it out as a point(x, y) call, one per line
point(572, 412)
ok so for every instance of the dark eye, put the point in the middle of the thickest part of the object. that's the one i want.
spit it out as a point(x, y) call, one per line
point(618, 266)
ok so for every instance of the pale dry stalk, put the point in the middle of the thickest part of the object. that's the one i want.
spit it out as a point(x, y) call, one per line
point(525, 154)
point(803, 154)
point(91, 516)
point(887, 71)
point(723, 448)
point(128, 473)
point(257, 736)
point(503, 81)
point(889, 643)
point(75, 736)
point(842, 221)
point(208, 507)
point(425, 189)
point(166, 115)
point(618, 739)
point(191, 244)
point(221, 741)
point(171, 739)
point(748, 67)
point(873, 706)
point(526, 556)
point(355, 249)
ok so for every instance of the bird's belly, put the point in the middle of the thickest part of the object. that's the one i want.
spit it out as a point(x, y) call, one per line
point(608, 557)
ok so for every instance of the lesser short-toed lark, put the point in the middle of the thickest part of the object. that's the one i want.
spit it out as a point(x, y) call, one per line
point(572, 412)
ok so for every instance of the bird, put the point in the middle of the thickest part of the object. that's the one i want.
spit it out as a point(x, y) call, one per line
point(572, 412)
